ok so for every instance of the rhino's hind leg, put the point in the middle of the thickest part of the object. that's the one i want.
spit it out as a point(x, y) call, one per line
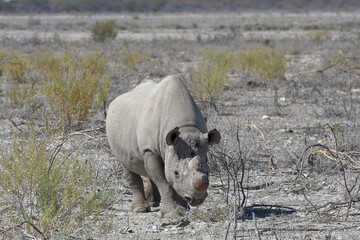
point(136, 184)
point(152, 194)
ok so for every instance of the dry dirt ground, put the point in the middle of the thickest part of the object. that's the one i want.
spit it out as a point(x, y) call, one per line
point(294, 187)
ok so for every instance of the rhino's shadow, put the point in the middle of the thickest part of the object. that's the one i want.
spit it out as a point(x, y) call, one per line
point(263, 211)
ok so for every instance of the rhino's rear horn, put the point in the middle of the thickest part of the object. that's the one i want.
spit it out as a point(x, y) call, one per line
point(172, 135)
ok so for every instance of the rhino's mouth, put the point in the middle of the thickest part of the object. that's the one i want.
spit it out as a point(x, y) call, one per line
point(195, 200)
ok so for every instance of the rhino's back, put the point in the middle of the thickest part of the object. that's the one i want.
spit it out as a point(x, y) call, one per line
point(169, 105)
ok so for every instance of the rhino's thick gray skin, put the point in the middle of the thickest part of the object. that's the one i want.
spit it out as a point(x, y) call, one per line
point(157, 131)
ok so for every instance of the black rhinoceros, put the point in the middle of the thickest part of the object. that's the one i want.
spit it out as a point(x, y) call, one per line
point(157, 131)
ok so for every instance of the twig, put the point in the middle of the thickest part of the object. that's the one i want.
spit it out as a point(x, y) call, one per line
point(327, 204)
point(321, 71)
point(313, 205)
point(22, 223)
point(235, 215)
point(255, 226)
point(242, 168)
point(228, 226)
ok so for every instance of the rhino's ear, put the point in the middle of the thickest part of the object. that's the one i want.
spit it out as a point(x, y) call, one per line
point(214, 137)
point(172, 135)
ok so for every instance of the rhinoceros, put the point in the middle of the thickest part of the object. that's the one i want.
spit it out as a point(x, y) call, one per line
point(157, 131)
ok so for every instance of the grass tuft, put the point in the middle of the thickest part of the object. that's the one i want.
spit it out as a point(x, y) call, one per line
point(49, 198)
point(266, 63)
point(16, 66)
point(73, 85)
point(211, 75)
point(131, 59)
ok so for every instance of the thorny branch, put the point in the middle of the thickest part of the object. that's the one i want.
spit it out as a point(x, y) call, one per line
point(29, 223)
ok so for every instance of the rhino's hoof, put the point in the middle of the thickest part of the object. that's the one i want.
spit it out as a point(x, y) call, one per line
point(154, 204)
point(141, 209)
point(174, 213)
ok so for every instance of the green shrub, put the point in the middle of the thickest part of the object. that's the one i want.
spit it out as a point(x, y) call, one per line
point(267, 63)
point(210, 75)
point(48, 197)
point(3, 56)
point(73, 86)
point(16, 67)
point(25, 97)
point(102, 31)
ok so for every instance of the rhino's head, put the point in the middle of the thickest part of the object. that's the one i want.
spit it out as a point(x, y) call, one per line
point(186, 162)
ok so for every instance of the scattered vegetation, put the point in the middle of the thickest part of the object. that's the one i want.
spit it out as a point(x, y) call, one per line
point(211, 74)
point(73, 85)
point(48, 194)
point(318, 36)
point(16, 66)
point(103, 31)
point(131, 59)
point(25, 97)
point(342, 62)
point(268, 64)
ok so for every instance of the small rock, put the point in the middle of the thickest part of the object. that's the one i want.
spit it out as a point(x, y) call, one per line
point(155, 229)
point(265, 117)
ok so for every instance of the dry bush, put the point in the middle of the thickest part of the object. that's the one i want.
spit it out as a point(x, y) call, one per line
point(232, 158)
point(210, 75)
point(25, 97)
point(268, 64)
point(318, 36)
point(16, 66)
point(103, 31)
point(131, 59)
point(73, 85)
point(341, 62)
point(46, 193)
point(345, 69)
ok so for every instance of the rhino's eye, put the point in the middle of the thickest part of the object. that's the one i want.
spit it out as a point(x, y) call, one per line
point(176, 173)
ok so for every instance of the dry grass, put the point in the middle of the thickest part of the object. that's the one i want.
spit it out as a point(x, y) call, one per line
point(51, 195)
point(268, 64)
point(211, 74)
point(73, 85)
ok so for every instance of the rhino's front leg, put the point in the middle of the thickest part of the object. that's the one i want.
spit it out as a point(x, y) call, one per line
point(152, 194)
point(171, 200)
